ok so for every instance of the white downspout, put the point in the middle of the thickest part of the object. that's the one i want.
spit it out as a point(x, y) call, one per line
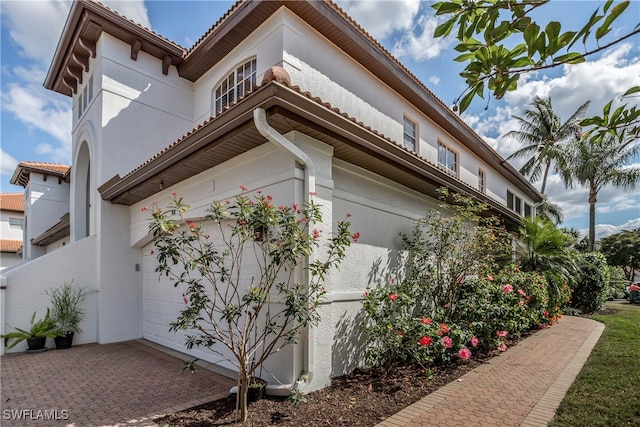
point(260, 120)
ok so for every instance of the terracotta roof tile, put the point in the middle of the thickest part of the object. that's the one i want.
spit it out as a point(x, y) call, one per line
point(10, 245)
point(12, 202)
point(46, 167)
point(140, 26)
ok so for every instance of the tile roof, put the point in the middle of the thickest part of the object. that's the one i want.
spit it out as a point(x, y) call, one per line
point(10, 245)
point(23, 171)
point(12, 202)
point(46, 167)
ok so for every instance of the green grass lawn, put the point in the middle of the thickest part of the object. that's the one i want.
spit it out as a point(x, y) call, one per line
point(607, 390)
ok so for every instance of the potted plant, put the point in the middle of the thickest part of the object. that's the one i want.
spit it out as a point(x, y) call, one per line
point(256, 389)
point(67, 310)
point(36, 336)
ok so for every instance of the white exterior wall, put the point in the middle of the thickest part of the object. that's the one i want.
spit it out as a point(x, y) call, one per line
point(26, 283)
point(325, 71)
point(7, 232)
point(264, 168)
point(45, 202)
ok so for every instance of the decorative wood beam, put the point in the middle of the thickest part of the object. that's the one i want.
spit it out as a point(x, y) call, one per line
point(75, 72)
point(135, 48)
point(81, 60)
point(72, 86)
point(88, 46)
point(166, 62)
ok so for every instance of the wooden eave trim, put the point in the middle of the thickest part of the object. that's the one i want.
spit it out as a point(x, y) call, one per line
point(87, 16)
point(56, 232)
point(278, 99)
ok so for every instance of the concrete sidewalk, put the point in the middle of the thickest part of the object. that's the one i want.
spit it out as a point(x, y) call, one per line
point(522, 387)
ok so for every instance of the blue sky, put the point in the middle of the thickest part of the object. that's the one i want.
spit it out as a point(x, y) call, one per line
point(36, 123)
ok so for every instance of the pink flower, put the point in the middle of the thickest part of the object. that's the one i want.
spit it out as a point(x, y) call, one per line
point(393, 297)
point(490, 278)
point(426, 321)
point(425, 341)
point(546, 314)
point(355, 237)
point(313, 193)
point(502, 347)
point(144, 208)
point(460, 280)
point(543, 326)
point(192, 224)
point(474, 342)
point(366, 294)
point(184, 298)
point(520, 303)
point(444, 327)
point(174, 194)
point(502, 334)
point(507, 289)
point(522, 293)
point(295, 207)
point(464, 353)
point(243, 188)
point(448, 342)
point(282, 207)
point(400, 333)
point(316, 233)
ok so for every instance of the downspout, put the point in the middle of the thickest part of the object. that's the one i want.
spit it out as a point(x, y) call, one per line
point(260, 120)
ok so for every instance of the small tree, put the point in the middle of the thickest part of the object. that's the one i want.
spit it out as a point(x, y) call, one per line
point(592, 283)
point(623, 249)
point(243, 287)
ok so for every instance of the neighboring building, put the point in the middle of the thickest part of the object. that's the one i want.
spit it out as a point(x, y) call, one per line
point(288, 97)
point(46, 200)
point(11, 228)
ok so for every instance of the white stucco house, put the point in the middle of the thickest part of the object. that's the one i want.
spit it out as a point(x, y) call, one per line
point(11, 228)
point(286, 97)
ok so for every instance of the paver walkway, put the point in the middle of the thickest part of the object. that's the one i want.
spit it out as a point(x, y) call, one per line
point(522, 387)
point(100, 385)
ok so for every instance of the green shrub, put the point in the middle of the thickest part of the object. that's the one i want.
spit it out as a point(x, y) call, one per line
point(592, 282)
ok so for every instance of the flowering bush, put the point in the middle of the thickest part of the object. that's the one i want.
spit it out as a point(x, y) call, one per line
point(455, 297)
point(238, 266)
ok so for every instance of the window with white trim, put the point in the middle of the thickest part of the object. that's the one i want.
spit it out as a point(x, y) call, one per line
point(448, 159)
point(482, 181)
point(527, 210)
point(510, 199)
point(410, 134)
point(234, 86)
point(16, 223)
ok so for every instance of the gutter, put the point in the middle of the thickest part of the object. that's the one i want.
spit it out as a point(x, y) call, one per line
point(260, 120)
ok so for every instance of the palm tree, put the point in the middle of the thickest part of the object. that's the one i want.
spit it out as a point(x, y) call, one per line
point(550, 211)
point(598, 163)
point(543, 133)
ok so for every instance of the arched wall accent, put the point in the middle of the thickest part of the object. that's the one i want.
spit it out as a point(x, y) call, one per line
point(81, 227)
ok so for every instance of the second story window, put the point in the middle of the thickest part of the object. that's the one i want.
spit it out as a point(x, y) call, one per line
point(482, 181)
point(235, 85)
point(410, 134)
point(17, 223)
point(448, 159)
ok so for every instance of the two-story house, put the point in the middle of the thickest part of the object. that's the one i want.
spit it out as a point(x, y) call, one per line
point(288, 97)
point(11, 228)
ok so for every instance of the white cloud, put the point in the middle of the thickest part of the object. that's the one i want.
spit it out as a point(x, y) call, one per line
point(419, 43)
point(434, 80)
point(7, 163)
point(605, 230)
point(381, 18)
point(35, 27)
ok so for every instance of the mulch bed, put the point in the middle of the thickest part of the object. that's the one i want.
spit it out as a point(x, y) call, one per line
point(362, 398)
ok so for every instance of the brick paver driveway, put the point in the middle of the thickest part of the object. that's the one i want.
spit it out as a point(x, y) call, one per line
point(100, 385)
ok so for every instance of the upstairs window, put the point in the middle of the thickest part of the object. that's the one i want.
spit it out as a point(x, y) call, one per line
point(410, 134)
point(448, 159)
point(510, 199)
point(235, 85)
point(482, 181)
point(17, 223)
point(527, 210)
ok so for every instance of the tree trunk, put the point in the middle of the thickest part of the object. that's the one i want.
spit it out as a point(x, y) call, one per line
point(544, 177)
point(593, 198)
point(243, 389)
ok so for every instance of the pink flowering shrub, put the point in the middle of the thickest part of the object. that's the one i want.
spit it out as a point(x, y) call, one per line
point(234, 262)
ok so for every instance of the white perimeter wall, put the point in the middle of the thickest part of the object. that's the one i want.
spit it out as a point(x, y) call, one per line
point(26, 283)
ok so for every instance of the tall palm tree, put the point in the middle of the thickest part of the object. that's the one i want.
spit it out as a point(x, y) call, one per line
point(543, 133)
point(595, 164)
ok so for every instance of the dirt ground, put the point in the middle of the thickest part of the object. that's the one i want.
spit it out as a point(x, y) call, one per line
point(363, 398)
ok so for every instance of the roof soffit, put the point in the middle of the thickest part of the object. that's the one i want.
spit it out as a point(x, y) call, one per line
point(85, 24)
